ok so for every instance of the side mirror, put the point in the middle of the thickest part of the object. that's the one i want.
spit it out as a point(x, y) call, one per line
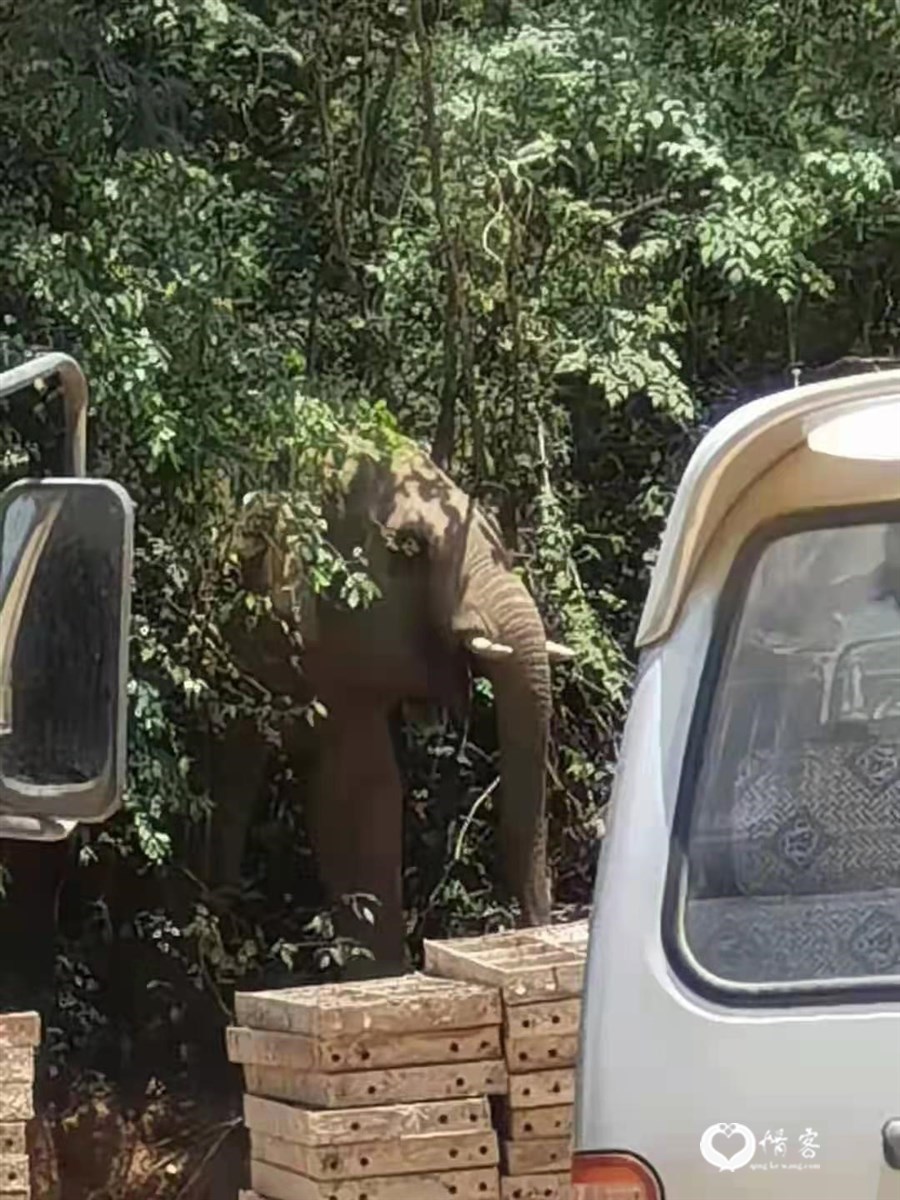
point(65, 590)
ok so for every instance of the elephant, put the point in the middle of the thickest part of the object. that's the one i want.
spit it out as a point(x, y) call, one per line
point(450, 607)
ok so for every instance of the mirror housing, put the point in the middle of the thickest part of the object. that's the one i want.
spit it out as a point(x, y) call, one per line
point(66, 551)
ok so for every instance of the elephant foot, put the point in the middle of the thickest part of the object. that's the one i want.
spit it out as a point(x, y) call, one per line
point(536, 905)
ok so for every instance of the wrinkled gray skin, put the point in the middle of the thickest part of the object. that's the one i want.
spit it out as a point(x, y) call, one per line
point(413, 644)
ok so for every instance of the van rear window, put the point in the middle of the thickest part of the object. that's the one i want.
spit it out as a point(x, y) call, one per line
point(791, 868)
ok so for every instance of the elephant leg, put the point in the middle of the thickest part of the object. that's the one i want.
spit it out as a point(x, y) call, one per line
point(237, 771)
point(355, 818)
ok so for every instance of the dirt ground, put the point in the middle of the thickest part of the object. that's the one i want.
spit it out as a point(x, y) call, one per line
point(97, 1149)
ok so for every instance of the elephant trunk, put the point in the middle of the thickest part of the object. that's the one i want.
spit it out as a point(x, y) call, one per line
point(522, 693)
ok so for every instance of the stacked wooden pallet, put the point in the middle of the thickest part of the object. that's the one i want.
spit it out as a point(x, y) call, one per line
point(374, 1091)
point(20, 1033)
point(540, 975)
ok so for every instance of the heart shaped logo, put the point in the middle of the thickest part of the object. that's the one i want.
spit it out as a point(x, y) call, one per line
point(728, 1146)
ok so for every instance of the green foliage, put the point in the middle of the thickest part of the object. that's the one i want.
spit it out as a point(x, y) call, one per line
point(542, 237)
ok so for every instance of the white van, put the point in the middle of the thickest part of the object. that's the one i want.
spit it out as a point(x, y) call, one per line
point(741, 1020)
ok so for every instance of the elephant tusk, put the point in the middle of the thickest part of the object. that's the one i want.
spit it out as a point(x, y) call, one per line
point(485, 648)
point(557, 652)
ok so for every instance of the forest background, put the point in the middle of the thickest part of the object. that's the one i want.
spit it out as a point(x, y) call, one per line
point(550, 241)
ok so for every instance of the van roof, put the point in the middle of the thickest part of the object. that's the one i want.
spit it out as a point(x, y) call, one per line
point(742, 447)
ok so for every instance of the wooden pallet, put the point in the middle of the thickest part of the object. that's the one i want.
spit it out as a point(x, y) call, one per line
point(429, 1153)
point(345, 1127)
point(561, 1018)
point(542, 1089)
point(545, 1053)
point(16, 1065)
point(362, 1052)
point(525, 967)
point(573, 935)
point(404, 1005)
point(277, 1184)
point(20, 1033)
point(12, 1139)
point(537, 1187)
point(400, 1085)
point(19, 1030)
point(537, 1156)
point(14, 1175)
point(16, 1102)
point(556, 1121)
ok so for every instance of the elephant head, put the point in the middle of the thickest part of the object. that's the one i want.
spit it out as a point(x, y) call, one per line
point(450, 605)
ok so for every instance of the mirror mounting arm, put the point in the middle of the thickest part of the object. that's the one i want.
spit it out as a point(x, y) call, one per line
point(75, 397)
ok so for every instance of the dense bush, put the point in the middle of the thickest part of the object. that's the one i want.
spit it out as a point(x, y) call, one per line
point(546, 240)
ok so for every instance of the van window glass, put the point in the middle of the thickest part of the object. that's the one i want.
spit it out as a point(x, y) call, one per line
point(793, 855)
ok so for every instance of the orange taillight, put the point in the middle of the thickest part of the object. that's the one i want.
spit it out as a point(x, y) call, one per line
point(612, 1177)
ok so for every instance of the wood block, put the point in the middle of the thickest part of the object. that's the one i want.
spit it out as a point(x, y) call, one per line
point(525, 968)
point(541, 1053)
point(16, 1064)
point(12, 1139)
point(398, 1085)
point(538, 1156)
point(539, 1089)
point(16, 1101)
point(20, 1029)
point(278, 1184)
point(537, 1187)
point(433, 1152)
point(561, 1017)
point(14, 1174)
point(407, 1004)
point(364, 1052)
point(350, 1126)
point(553, 1122)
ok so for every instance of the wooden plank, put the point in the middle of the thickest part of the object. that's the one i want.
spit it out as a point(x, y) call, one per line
point(278, 1184)
point(363, 1052)
point(541, 1053)
point(561, 1017)
point(12, 1138)
point(407, 1004)
point(399, 1085)
point(521, 965)
point(553, 1122)
point(16, 1101)
point(20, 1029)
point(538, 1089)
point(14, 1174)
point(16, 1064)
point(349, 1126)
point(404, 1156)
point(539, 1156)
point(537, 1187)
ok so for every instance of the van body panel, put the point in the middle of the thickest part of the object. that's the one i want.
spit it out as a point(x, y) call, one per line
point(658, 1065)
point(811, 1085)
